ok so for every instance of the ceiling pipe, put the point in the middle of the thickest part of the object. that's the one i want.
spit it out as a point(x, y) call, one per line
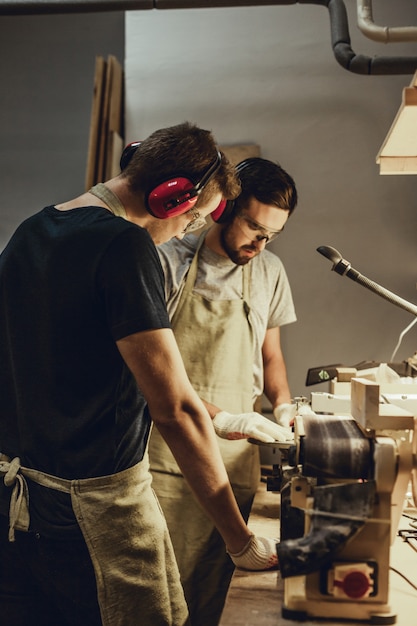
point(347, 58)
point(339, 26)
point(52, 7)
point(386, 34)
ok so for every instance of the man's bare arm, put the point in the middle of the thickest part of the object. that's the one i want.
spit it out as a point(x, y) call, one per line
point(275, 372)
point(183, 421)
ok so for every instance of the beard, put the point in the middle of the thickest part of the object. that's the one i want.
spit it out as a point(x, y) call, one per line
point(239, 256)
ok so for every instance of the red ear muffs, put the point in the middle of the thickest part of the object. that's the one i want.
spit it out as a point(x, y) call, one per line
point(223, 212)
point(172, 197)
point(175, 196)
point(178, 195)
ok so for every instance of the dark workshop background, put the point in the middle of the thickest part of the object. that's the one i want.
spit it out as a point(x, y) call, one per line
point(264, 75)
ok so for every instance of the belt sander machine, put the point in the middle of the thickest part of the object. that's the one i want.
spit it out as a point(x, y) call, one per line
point(342, 497)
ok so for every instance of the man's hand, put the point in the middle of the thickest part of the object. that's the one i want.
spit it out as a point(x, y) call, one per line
point(259, 553)
point(284, 414)
point(245, 425)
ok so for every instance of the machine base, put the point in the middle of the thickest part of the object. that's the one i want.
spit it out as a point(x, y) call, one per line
point(302, 616)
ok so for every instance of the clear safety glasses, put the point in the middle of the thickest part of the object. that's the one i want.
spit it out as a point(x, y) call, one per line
point(255, 231)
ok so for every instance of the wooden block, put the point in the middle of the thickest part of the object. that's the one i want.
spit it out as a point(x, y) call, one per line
point(364, 400)
point(345, 374)
point(371, 414)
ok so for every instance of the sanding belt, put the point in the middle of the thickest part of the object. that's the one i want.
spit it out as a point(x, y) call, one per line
point(333, 448)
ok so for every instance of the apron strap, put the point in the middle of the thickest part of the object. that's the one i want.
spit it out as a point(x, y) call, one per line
point(104, 193)
point(15, 476)
point(246, 288)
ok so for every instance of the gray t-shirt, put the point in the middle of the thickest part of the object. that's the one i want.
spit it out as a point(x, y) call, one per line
point(218, 278)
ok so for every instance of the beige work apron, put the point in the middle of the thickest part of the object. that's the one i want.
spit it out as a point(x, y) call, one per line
point(215, 340)
point(127, 538)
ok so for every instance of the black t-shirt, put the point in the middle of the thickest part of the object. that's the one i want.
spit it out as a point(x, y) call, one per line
point(71, 284)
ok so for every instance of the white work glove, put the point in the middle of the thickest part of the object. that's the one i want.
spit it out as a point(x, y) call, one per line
point(305, 409)
point(244, 425)
point(259, 553)
point(284, 414)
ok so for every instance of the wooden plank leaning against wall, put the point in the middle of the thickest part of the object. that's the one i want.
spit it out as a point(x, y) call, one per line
point(107, 122)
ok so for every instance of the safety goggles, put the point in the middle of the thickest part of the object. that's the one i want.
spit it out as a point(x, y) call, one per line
point(255, 231)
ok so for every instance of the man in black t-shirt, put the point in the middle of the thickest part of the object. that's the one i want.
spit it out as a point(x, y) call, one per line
point(87, 358)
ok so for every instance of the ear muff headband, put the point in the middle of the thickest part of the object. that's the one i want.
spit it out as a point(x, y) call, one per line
point(127, 154)
point(225, 211)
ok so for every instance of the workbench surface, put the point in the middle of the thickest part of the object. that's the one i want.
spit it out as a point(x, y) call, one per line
point(255, 598)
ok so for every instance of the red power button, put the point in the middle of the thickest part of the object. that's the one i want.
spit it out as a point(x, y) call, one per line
point(354, 584)
point(353, 580)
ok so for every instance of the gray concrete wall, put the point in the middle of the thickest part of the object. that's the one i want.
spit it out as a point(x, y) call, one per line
point(268, 75)
point(47, 78)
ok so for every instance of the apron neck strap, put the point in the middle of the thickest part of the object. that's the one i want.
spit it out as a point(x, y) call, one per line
point(106, 195)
